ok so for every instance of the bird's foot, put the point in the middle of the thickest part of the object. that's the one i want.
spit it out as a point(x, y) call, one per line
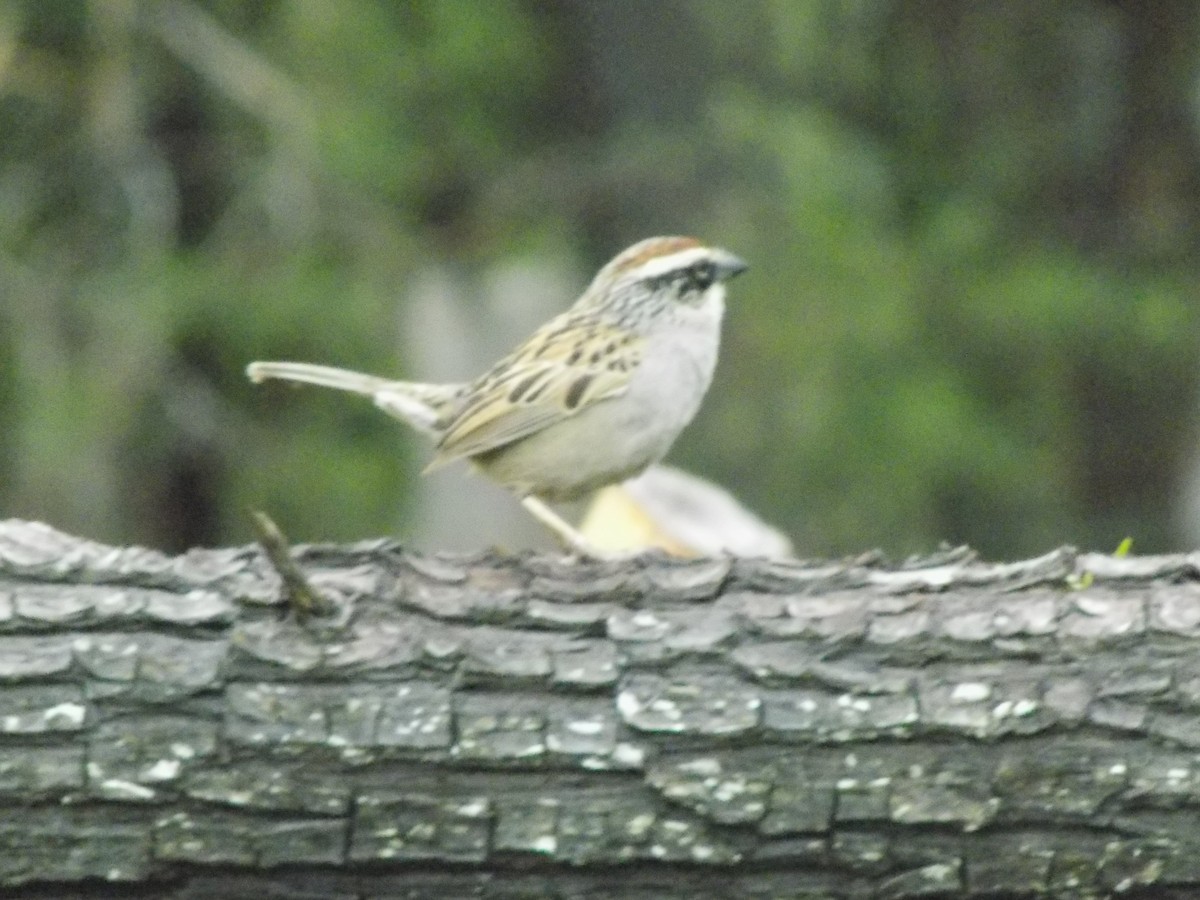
point(571, 537)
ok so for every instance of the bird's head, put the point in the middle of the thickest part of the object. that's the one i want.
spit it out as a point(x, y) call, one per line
point(661, 272)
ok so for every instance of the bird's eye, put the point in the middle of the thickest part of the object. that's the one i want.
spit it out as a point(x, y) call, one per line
point(702, 275)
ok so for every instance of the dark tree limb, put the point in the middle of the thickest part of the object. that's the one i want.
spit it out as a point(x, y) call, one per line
point(500, 727)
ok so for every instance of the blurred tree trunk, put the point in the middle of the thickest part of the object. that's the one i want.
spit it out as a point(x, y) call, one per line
point(533, 726)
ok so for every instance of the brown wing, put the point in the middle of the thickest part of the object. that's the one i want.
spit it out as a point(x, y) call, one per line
point(571, 363)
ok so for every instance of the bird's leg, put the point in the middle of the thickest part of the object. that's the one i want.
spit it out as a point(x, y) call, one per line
point(570, 535)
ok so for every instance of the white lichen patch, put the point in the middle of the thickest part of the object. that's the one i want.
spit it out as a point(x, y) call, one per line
point(163, 770)
point(666, 707)
point(356, 755)
point(546, 843)
point(971, 692)
point(118, 603)
point(629, 755)
point(69, 713)
point(424, 832)
point(474, 808)
point(856, 703)
point(586, 726)
point(117, 788)
point(441, 648)
point(1025, 707)
point(628, 704)
point(639, 825)
point(730, 789)
point(705, 765)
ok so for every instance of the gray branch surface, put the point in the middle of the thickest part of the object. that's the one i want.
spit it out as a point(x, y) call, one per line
point(491, 726)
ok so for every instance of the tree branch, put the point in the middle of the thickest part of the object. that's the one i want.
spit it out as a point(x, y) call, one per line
point(480, 725)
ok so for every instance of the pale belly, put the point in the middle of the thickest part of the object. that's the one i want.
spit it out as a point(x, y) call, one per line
point(614, 439)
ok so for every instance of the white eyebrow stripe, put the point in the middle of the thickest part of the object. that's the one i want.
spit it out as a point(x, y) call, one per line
point(672, 262)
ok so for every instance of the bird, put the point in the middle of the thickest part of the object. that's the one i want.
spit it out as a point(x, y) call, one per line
point(594, 396)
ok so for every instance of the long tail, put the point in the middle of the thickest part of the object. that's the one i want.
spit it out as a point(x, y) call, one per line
point(420, 405)
point(324, 376)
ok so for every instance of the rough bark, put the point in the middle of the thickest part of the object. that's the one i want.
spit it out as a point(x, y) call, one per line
point(540, 727)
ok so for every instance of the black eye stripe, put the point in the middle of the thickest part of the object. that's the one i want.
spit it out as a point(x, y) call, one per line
point(698, 276)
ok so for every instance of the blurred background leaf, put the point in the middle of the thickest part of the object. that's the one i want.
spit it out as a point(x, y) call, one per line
point(972, 227)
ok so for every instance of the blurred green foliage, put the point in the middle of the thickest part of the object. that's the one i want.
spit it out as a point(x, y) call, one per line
point(971, 314)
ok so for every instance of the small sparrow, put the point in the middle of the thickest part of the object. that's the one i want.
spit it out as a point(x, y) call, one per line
point(594, 396)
